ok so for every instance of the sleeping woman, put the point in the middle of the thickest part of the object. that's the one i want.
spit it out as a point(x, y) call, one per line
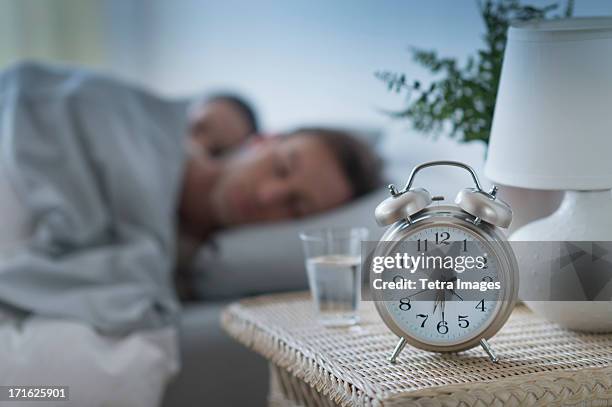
point(220, 123)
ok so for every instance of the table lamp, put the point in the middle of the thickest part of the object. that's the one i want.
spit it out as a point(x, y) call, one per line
point(552, 130)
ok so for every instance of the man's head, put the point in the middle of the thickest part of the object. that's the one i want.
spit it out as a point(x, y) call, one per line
point(307, 171)
point(221, 122)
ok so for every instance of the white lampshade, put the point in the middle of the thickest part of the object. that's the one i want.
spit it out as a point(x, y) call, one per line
point(552, 127)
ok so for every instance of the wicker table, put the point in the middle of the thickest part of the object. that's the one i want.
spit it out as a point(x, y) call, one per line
point(541, 364)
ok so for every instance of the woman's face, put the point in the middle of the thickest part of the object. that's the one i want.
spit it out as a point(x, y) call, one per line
point(218, 127)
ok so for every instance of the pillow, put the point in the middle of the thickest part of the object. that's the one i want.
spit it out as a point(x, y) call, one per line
point(268, 257)
point(402, 149)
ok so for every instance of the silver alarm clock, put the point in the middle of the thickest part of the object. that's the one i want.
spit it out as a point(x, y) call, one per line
point(435, 323)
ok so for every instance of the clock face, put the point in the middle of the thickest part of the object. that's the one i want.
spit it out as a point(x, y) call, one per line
point(445, 317)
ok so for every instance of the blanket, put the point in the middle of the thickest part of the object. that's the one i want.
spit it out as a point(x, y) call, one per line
point(98, 166)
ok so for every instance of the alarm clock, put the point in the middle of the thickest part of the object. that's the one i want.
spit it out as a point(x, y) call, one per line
point(444, 319)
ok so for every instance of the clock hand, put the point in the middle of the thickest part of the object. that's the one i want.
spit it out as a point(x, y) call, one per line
point(455, 293)
point(438, 300)
point(417, 293)
point(442, 306)
point(435, 303)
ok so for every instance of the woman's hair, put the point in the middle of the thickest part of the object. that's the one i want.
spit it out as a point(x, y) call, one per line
point(240, 104)
point(361, 166)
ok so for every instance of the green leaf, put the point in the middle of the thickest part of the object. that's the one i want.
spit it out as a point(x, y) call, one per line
point(461, 101)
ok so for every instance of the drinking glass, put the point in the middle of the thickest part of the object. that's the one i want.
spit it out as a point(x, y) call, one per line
point(333, 264)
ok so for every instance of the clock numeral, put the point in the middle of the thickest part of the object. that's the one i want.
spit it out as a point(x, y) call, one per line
point(480, 306)
point(442, 238)
point(465, 245)
point(424, 320)
point(424, 244)
point(405, 304)
point(486, 263)
point(488, 279)
point(463, 321)
point(442, 327)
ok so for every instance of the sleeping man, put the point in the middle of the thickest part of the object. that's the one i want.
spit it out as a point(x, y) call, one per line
point(100, 181)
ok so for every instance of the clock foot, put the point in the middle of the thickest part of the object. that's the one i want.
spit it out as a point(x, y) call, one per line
point(398, 349)
point(487, 348)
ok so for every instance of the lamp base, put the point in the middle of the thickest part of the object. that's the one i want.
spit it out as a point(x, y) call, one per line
point(582, 216)
point(529, 205)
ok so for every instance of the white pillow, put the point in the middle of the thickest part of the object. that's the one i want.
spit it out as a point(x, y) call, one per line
point(403, 148)
point(268, 257)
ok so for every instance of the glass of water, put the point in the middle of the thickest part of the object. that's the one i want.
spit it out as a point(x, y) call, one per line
point(333, 264)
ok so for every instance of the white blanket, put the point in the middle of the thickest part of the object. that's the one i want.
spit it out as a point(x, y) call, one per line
point(99, 370)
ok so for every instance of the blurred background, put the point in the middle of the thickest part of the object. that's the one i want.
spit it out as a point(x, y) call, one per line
point(300, 61)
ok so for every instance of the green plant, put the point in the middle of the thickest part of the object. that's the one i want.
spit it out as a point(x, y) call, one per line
point(461, 102)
